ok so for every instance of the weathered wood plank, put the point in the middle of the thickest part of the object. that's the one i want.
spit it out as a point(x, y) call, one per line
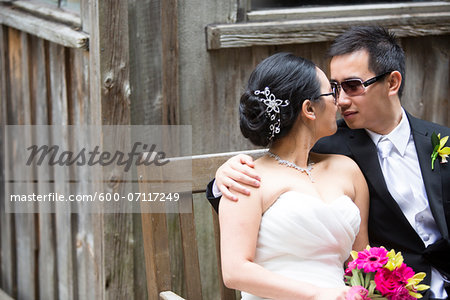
point(145, 61)
point(170, 53)
point(320, 30)
point(156, 251)
point(49, 12)
point(24, 221)
point(83, 229)
point(46, 259)
point(2, 142)
point(424, 92)
point(225, 293)
point(95, 118)
point(109, 82)
point(63, 218)
point(337, 11)
point(52, 31)
point(190, 252)
point(8, 279)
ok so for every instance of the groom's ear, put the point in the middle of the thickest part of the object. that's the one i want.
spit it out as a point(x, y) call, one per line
point(308, 110)
point(395, 81)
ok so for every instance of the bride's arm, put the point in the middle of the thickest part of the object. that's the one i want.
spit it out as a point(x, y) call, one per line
point(239, 226)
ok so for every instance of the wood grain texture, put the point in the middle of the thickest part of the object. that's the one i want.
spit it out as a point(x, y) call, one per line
point(190, 252)
point(7, 243)
point(146, 62)
point(320, 30)
point(66, 281)
point(427, 93)
point(24, 221)
point(110, 87)
point(49, 12)
point(225, 293)
point(338, 11)
point(46, 229)
point(170, 57)
point(49, 30)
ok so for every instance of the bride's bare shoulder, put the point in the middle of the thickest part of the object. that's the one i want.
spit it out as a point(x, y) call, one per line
point(338, 161)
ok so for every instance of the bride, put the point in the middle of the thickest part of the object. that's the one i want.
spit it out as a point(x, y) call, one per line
point(291, 237)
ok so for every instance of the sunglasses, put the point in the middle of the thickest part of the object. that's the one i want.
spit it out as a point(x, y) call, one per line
point(354, 87)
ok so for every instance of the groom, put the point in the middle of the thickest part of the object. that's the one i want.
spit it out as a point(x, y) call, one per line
point(410, 201)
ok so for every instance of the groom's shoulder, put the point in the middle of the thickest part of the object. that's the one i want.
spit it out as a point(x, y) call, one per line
point(420, 125)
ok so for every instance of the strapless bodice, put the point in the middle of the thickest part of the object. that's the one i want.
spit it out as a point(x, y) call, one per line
point(306, 239)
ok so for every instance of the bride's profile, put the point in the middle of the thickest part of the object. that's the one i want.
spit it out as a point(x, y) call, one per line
point(291, 237)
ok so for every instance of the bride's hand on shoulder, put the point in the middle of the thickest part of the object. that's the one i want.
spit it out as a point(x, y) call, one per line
point(235, 172)
point(336, 294)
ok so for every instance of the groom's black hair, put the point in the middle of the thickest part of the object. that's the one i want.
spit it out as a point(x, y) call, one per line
point(385, 53)
point(288, 77)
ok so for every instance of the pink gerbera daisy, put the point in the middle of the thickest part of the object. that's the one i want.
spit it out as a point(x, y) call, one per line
point(370, 259)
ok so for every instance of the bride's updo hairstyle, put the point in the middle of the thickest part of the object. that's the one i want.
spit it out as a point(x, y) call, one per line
point(287, 77)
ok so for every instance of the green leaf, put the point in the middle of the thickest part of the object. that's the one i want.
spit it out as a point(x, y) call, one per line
point(434, 139)
point(372, 286)
point(355, 280)
point(361, 278)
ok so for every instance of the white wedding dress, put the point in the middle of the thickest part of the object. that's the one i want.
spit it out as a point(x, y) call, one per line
point(306, 239)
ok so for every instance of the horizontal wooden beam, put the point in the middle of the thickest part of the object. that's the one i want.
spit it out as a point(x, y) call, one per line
point(338, 11)
point(55, 32)
point(49, 12)
point(320, 30)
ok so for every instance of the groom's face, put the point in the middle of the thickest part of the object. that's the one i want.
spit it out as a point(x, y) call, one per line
point(364, 110)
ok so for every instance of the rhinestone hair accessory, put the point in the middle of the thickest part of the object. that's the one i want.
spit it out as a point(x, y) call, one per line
point(272, 109)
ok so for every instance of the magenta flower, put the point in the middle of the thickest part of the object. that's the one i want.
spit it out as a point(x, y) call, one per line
point(401, 293)
point(392, 284)
point(370, 259)
point(357, 290)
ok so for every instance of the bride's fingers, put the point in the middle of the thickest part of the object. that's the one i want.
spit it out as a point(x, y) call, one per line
point(250, 174)
point(226, 193)
point(246, 159)
point(240, 177)
point(230, 184)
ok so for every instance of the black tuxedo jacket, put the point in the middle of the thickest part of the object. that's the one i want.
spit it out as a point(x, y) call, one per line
point(388, 226)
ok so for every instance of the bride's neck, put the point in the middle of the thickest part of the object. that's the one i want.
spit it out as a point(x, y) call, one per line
point(294, 147)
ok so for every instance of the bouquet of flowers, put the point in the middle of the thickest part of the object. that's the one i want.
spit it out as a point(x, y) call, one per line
point(375, 273)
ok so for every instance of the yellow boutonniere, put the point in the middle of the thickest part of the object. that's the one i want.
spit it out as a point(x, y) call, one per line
point(439, 149)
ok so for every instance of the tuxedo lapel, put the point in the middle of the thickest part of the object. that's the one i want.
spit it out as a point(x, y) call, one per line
point(365, 155)
point(431, 178)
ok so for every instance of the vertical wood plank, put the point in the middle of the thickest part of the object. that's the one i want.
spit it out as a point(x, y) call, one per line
point(24, 222)
point(95, 118)
point(109, 82)
point(170, 83)
point(426, 94)
point(7, 242)
point(156, 245)
point(225, 293)
point(63, 218)
point(79, 109)
point(190, 252)
point(46, 260)
point(145, 61)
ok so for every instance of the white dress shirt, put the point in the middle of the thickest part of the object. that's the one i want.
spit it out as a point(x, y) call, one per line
point(401, 170)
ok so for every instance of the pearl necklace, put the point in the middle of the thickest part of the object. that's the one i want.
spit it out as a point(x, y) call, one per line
point(290, 164)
